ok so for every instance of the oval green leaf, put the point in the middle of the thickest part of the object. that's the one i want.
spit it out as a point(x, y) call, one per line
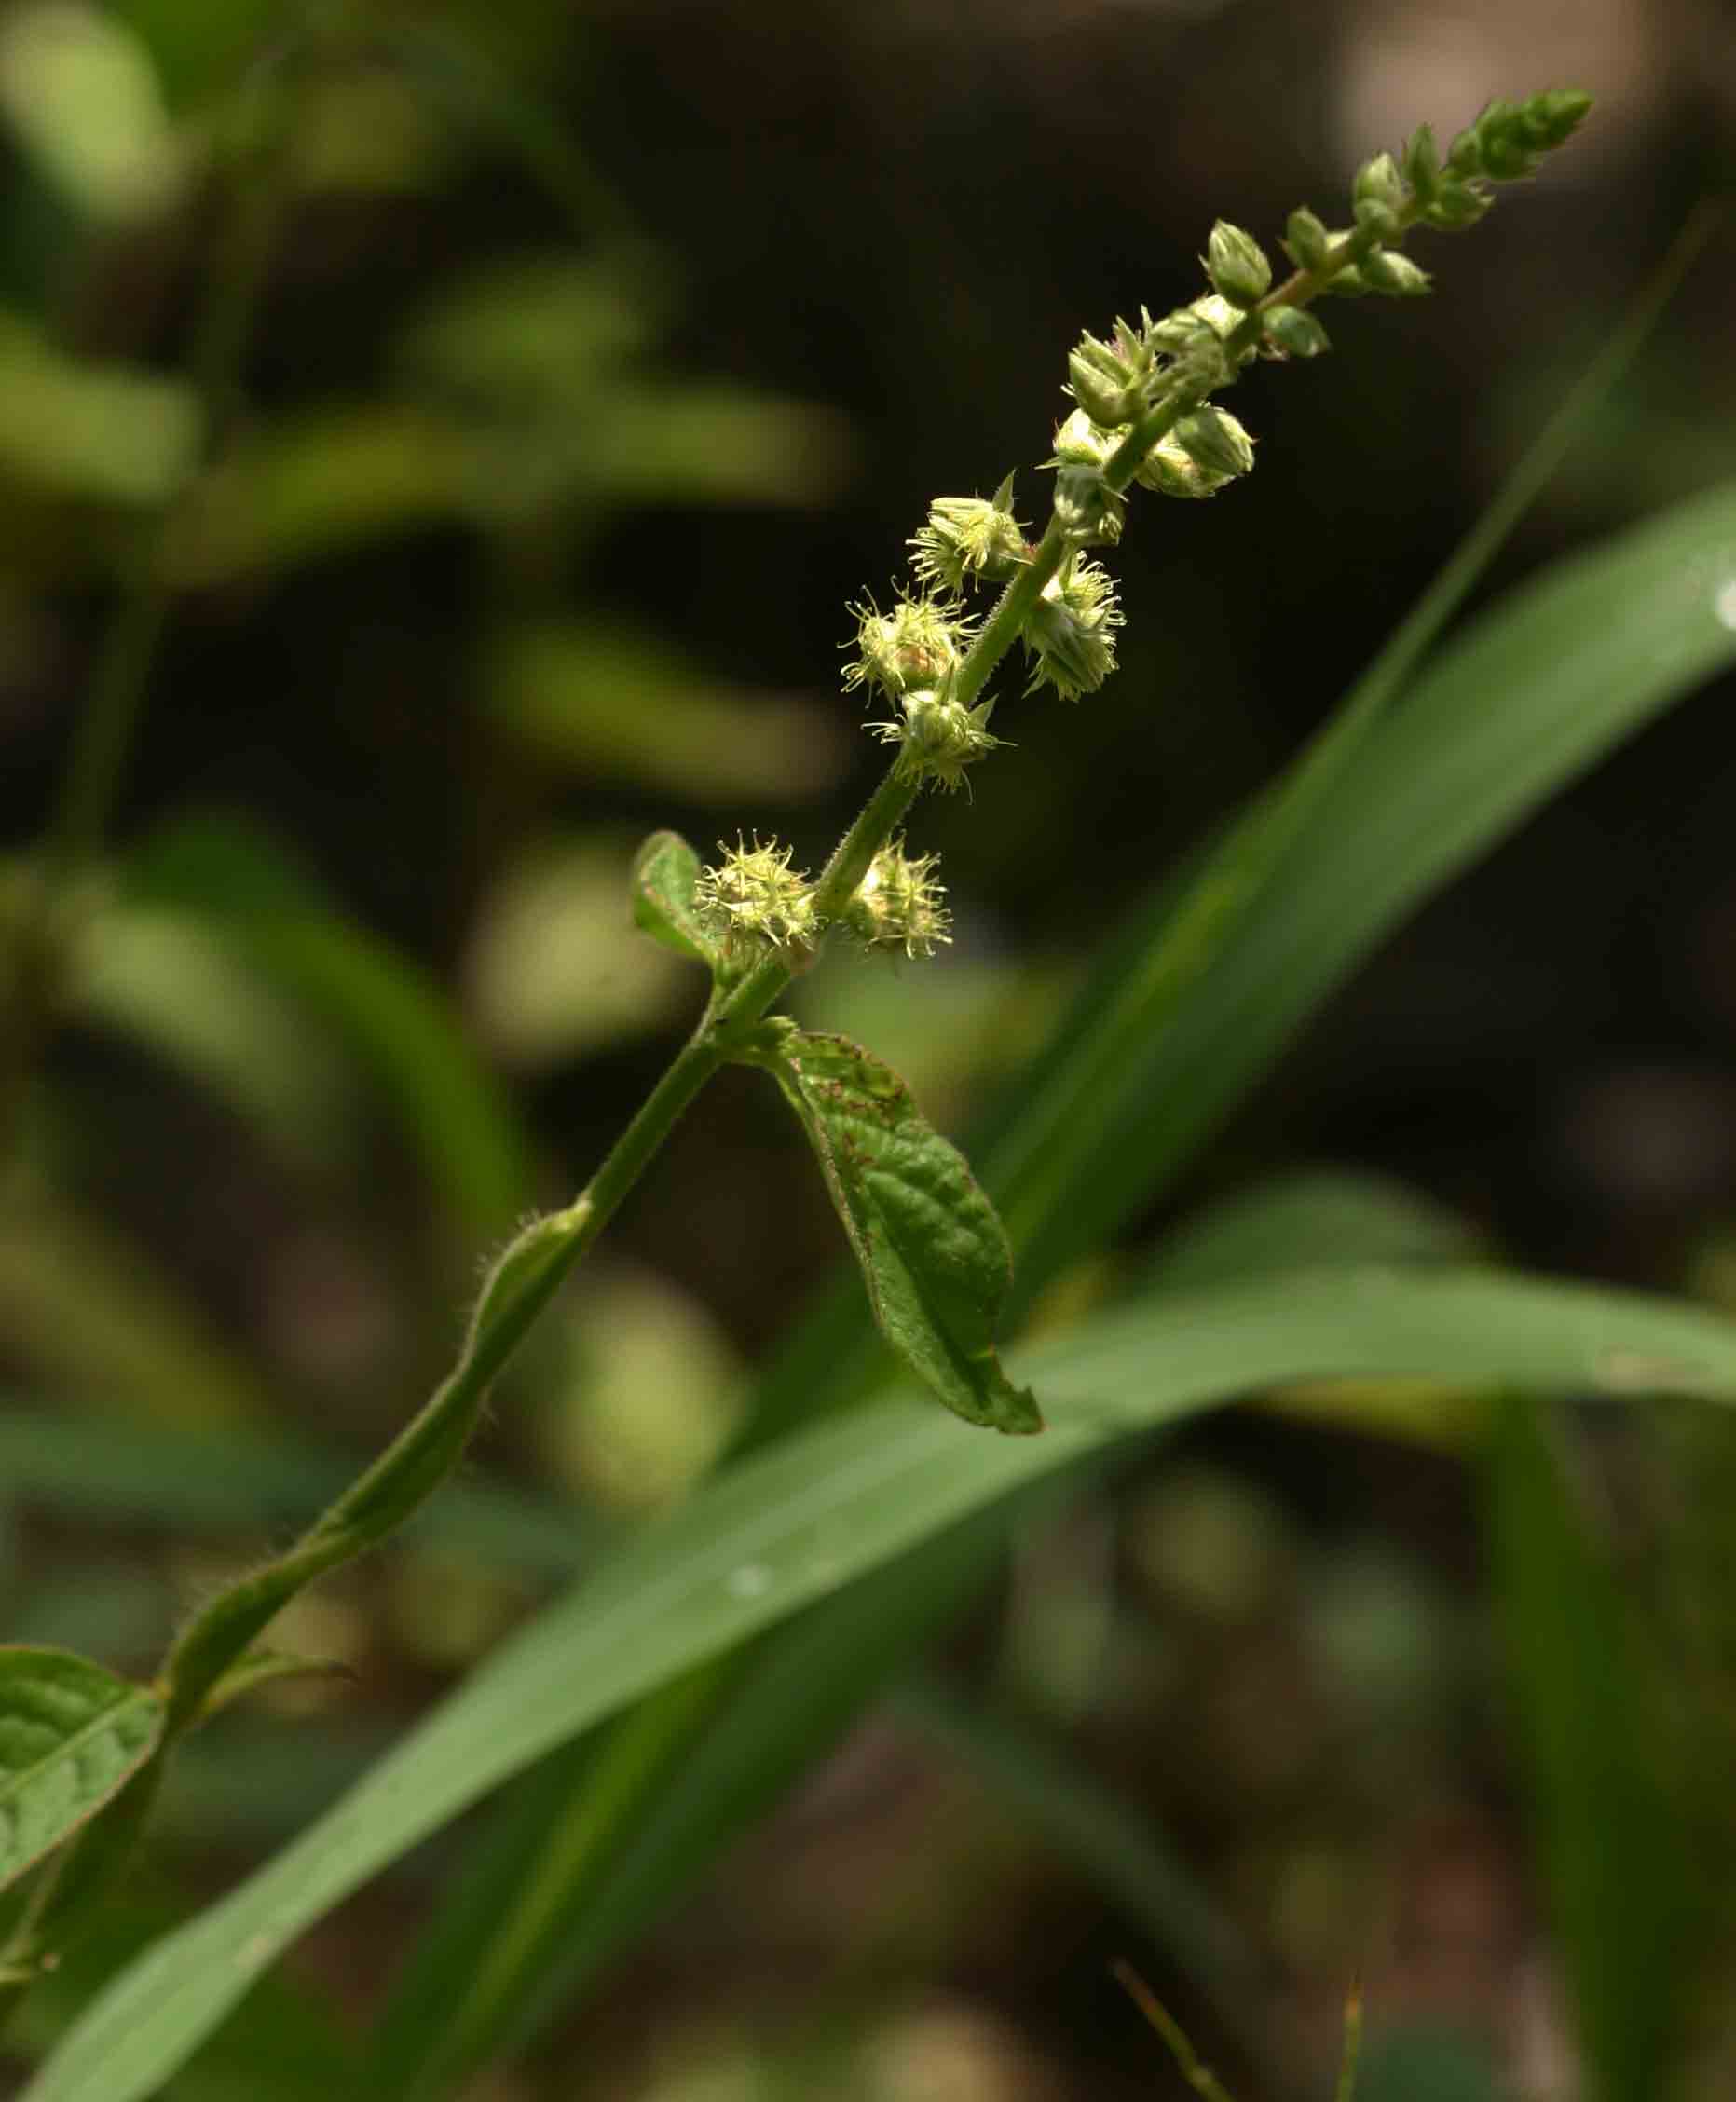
point(71, 1733)
point(665, 875)
point(933, 1252)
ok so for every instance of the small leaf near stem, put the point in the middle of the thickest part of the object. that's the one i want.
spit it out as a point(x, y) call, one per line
point(71, 1735)
point(666, 880)
point(934, 1255)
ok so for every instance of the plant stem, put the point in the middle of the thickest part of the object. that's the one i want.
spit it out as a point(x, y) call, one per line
point(1005, 624)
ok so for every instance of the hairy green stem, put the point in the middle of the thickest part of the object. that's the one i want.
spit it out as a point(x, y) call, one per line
point(1007, 623)
point(425, 1451)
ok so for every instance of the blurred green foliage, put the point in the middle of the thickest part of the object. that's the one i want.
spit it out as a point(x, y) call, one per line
point(599, 357)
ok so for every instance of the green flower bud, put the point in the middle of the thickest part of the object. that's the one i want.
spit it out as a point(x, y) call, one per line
point(1194, 337)
point(753, 897)
point(1306, 241)
point(1422, 163)
point(937, 739)
point(1378, 182)
point(1167, 470)
point(1219, 315)
point(1294, 332)
point(1103, 400)
point(900, 905)
point(1348, 283)
point(916, 645)
point(1513, 137)
point(1070, 632)
point(1108, 380)
point(1457, 205)
point(1464, 155)
point(1091, 515)
point(1555, 115)
point(1079, 443)
point(1506, 158)
point(1237, 265)
point(1374, 216)
point(1179, 332)
point(1090, 511)
point(966, 539)
point(1213, 440)
point(1395, 275)
point(1509, 139)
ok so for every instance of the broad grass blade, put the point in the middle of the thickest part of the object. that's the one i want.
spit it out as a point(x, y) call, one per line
point(798, 1522)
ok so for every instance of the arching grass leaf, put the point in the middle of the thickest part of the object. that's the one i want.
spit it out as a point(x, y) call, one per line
point(239, 882)
point(833, 1502)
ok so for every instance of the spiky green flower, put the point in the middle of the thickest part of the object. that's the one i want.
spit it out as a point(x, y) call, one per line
point(1070, 635)
point(937, 738)
point(915, 647)
point(752, 896)
point(967, 540)
point(900, 905)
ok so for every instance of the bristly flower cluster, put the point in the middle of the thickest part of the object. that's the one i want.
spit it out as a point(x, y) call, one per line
point(914, 649)
point(1069, 637)
point(970, 541)
point(753, 899)
point(937, 737)
point(900, 905)
point(911, 655)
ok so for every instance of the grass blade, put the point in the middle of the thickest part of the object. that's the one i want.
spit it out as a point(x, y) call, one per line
point(845, 1497)
point(233, 879)
point(1584, 1698)
point(232, 1479)
point(1531, 695)
point(480, 1984)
